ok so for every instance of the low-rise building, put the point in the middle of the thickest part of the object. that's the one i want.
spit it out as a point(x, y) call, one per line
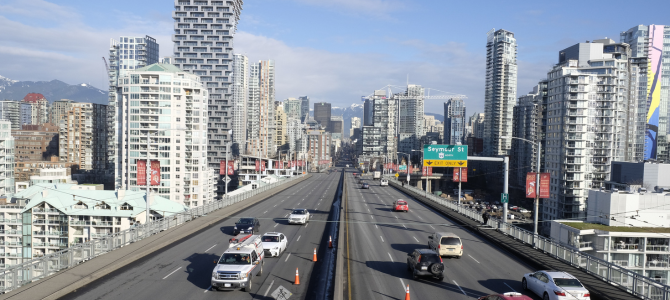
point(35, 142)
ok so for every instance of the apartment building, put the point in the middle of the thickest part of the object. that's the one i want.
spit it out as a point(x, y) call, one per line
point(83, 138)
point(322, 111)
point(6, 159)
point(25, 170)
point(39, 108)
point(410, 119)
point(281, 126)
point(57, 109)
point(355, 123)
point(454, 122)
point(35, 142)
point(500, 91)
point(304, 108)
point(166, 121)
point(378, 134)
point(530, 119)
point(261, 109)
point(240, 99)
point(10, 111)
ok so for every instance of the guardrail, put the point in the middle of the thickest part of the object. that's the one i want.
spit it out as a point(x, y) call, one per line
point(18, 275)
point(636, 284)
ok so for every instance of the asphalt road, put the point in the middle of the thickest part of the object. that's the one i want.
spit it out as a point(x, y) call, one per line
point(381, 239)
point(183, 270)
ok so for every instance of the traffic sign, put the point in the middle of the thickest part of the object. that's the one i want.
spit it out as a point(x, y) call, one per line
point(227, 179)
point(445, 156)
point(396, 175)
point(504, 198)
point(281, 293)
point(402, 168)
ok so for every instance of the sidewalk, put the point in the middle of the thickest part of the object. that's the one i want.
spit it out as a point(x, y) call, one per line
point(65, 282)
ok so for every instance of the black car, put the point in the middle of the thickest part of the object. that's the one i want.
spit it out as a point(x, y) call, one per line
point(246, 225)
point(365, 186)
point(425, 262)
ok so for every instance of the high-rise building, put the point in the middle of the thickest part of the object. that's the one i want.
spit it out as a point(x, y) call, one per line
point(203, 45)
point(500, 92)
point(240, 101)
point(293, 108)
point(304, 108)
point(26, 113)
point(410, 119)
point(281, 126)
point(9, 111)
point(650, 99)
point(477, 125)
point(336, 129)
point(322, 111)
point(83, 137)
point(127, 54)
point(587, 120)
point(379, 127)
point(355, 123)
point(530, 119)
point(57, 109)
point(39, 108)
point(454, 122)
point(6, 159)
point(261, 109)
point(166, 121)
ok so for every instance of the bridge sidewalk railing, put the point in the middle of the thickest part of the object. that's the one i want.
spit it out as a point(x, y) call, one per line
point(634, 283)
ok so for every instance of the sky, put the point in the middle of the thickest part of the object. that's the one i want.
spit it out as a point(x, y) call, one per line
point(330, 50)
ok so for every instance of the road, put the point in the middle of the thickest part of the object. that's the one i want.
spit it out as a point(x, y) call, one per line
point(183, 270)
point(380, 240)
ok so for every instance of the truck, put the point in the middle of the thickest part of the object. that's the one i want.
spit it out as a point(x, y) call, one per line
point(236, 267)
point(377, 175)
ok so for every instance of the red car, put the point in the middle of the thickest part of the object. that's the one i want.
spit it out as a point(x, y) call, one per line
point(400, 205)
point(506, 296)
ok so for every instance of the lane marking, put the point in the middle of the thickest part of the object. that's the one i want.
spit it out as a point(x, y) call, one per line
point(396, 217)
point(268, 290)
point(287, 256)
point(370, 216)
point(298, 238)
point(382, 238)
point(459, 287)
point(473, 258)
point(174, 271)
point(376, 225)
point(403, 225)
point(286, 216)
point(210, 248)
point(390, 257)
point(276, 224)
point(306, 225)
point(265, 211)
point(403, 284)
point(431, 226)
point(208, 289)
point(416, 239)
point(509, 287)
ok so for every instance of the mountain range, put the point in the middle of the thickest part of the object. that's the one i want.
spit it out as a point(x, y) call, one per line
point(53, 90)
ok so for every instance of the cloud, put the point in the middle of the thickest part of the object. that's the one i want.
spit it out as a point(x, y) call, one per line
point(39, 10)
point(368, 7)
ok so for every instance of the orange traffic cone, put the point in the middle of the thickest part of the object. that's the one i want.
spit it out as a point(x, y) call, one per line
point(297, 277)
point(407, 293)
point(314, 258)
point(330, 242)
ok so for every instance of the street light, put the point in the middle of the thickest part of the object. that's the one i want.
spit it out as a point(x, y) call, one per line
point(536, 203)
point(425, 189)
point(408, 163)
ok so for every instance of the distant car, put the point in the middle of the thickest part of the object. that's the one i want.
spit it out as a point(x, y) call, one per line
point(555, 285)
point(523, 211)
point(246, 225)
point(506, 296)
point(425, 262)
point(514, 208)
point(365, 185)
point(274, 243)
point(400, 205)
point(384, 182)
point(446, 244)
point(299, 216)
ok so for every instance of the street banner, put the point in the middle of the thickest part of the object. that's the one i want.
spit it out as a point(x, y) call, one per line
point(424, 171)
point(258, 166)
point(155, 172)
point(222, 167)
point(141, 172)
point(231, 167)
point(460, 175)
point(530, 184)
point(430, 171)
point(262, 166)
point(544, 185)
point(276, 164)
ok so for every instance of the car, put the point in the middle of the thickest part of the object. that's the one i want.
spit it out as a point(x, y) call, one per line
point(299, 216)
point(400, 205)
point(425, 262)
point(365, 185)
point(506, 296)
point(514, 208)
point(274, 243)
point(384, 182)
point(246, 225)
point(555, 285)
point(235, 268)
point(523, 211)
point(446, 244)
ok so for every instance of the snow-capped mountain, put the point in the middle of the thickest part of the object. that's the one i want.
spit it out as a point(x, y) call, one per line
point(53, 90)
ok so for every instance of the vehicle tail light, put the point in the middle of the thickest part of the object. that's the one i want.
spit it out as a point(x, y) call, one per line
point(439, 246)
point(587, 295)
point(559, 293)
point(419, 260)
point(461, 247)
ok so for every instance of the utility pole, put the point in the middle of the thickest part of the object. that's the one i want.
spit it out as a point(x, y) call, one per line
point(148, 179)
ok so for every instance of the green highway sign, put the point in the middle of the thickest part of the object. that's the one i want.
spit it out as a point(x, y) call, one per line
point(402, 167)
point(504, 198)
point(445, 156)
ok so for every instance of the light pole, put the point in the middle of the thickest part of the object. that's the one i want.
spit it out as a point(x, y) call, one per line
point(408, 164)
point(425, 189)
point(536, 203)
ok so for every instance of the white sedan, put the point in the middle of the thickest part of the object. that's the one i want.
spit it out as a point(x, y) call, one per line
point(555, 285)
point(299, 216)
point(274, 243)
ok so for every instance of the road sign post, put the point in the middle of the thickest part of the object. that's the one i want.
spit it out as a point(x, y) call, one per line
point(445, 156)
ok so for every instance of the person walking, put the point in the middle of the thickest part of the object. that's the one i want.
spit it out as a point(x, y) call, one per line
point(486, 217)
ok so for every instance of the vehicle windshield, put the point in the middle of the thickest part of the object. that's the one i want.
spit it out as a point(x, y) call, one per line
point(235, 259)
point(298, 212)
point(270, 239)
point(245, 221)
point(452, 241)
point(567, 282)
point(430, 258)
point(402, 203)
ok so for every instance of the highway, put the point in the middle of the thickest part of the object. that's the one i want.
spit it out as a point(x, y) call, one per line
point(183, 270)
point(380, 240)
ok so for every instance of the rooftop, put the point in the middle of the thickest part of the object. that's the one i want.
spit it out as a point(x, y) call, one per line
point(160, 68)
point(601, 227)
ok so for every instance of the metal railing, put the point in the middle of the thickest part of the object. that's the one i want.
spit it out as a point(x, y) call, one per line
point(17, 275)
point(634, 283)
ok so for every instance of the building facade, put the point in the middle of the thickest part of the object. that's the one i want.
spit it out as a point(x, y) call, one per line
point(240, 101)
point(304, 108)
point(58, 109)
point(281, 126)
point(530, 119)
point(410, 119)
point(500, 91)
point(355, 123)
point(83, 138)
point(378, 134)
point(36, 142)
point(454, 122)
point(9, 111)
point(39, 108)
point(7, 162)
point(322, 111)
point(261, 109)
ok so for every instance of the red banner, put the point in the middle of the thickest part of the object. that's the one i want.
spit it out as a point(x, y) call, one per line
point(430, 172)
point(459, 175)
point(258, 166)
point(155, 172)
point(276, 164)
point(530, 185)
point(424, 171)
point(141, 172)
point(262, 166)
point(222, 167)
point(231, 167)
point(544, 185)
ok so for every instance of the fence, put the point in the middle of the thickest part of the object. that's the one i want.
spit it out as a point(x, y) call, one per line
point(638, 285)
point(15, 276)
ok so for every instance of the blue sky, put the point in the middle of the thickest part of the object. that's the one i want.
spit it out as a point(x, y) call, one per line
point(331, 50)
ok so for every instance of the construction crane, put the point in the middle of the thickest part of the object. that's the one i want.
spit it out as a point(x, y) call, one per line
point(106, 66)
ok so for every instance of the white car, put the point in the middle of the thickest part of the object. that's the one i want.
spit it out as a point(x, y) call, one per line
point(555, 285)
point(299, 216)
point(274, 243)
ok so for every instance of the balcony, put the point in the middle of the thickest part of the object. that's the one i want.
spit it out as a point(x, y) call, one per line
point(624, 246)
point(657, 264)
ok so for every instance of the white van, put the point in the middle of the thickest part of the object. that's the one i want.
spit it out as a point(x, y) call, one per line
point(446, 244)
point(384, 182)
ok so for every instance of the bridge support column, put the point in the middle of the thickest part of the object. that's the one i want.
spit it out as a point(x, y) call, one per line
point(419, 184)
point(429, 185)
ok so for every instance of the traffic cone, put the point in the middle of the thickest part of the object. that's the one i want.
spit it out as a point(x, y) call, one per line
point(407, 293)
point(314, 258)
point(297, 277)
point(330, 242)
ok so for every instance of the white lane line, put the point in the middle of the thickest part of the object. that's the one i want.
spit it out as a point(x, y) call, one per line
point(276, 224)
point(173, 272)
point(390, 256)
point(370, 216)
point(298, 238)
point(210, 248)
point(473, 258)
point(275, 205)
point(382, 238)
point(286, 216)
point(376, 225)
point(459, 287)
point(306, 225)
point(396, 217)
point(287, 256)
point(415, 239)
point(403, 225)
point(268, 290)
point(265, 211)
point(208, 289)
point(403, 284)
point(431, 226)
point(509, 287)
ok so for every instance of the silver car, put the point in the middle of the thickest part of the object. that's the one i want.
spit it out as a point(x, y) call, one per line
point(555, 285)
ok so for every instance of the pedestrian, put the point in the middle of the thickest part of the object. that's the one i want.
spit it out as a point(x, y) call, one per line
point(485, 216)
point(403, 184)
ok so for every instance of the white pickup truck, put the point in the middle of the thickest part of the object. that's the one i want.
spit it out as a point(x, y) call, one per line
point(237, 266)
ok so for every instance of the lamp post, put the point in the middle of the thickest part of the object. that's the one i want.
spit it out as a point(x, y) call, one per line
point(425, 189)
point(408, 163)
point(536, 202)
